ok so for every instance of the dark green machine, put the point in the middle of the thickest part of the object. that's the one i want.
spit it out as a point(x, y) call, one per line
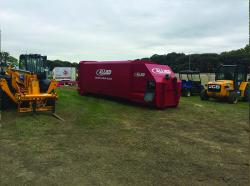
point(34, 63)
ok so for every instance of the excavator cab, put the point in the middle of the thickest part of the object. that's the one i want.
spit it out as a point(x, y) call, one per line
point(236, 73)
point(34, 63)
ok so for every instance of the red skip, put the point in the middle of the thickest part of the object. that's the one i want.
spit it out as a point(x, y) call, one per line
point(140, 81)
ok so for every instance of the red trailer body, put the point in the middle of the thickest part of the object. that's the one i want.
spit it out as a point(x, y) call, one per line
point(139, 81)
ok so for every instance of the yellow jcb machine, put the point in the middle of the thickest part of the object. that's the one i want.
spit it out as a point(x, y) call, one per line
point(230, 84)
point(28, 86)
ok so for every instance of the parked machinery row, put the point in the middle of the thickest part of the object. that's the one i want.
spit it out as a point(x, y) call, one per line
point(152, 84)
point(230, 84)
point(140, 81)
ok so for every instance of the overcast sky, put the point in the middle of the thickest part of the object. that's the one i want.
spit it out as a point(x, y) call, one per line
point(122, 29)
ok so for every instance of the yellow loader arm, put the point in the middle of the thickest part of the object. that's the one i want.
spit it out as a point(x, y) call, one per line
point(4, 86)
point(243, 87)
point(52, 86)
point(27, 94)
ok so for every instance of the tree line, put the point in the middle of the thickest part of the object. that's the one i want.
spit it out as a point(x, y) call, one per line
point(51, 64)
point(7, 59)
point(206, 62)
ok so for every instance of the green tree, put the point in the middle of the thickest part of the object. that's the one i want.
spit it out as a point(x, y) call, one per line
point(206, 62)
point(7, 59)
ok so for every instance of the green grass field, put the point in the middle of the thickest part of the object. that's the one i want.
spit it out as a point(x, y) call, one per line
point(104, 142)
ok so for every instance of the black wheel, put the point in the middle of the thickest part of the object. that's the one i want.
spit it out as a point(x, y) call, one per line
point(44, 85)
point(203, 95)
point(3, 100)
point(186, 93)
point(52, 102)
point(53, 105)
point(34, 107)
point(233, 98)
point(247, 93)
point(201, 88)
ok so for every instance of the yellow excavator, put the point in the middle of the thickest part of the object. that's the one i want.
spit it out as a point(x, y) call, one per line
point(230, 84)
point(28, 85)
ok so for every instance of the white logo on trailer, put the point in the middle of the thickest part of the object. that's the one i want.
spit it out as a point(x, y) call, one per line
point(160, 71)
point(139, 74)
point(103, 72)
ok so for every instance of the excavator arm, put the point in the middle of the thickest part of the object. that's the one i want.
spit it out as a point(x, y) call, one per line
point(52, 86)
point(4, 86)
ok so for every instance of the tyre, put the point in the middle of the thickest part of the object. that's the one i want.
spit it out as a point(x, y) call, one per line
point(203, 95)
point(201, 88)
point(186, 93)
point(52, 102)
point(3, 100)
point(44, 85)
point(233, 98)
point(247, 93)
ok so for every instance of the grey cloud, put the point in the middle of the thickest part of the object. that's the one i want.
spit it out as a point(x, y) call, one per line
point(118, 29)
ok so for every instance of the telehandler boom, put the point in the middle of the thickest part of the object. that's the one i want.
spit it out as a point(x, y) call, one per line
point(28, 86)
